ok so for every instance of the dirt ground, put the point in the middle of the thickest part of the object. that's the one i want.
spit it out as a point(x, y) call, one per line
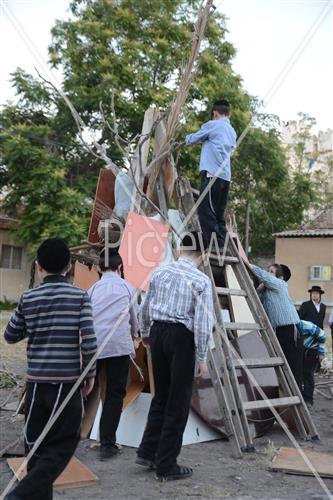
point(216, 474)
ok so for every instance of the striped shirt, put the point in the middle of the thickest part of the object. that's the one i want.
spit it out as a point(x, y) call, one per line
point(313, 336)
point(275, 299)
point(180, 293)
point(56, 318)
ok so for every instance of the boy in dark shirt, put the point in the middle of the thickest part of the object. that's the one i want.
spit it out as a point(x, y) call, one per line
point(56, 319)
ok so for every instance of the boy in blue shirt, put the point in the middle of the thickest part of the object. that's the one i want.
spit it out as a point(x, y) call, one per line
point(218, 139)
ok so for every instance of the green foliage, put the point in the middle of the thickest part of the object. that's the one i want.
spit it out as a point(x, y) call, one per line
point(7, 305)
point(136, 48)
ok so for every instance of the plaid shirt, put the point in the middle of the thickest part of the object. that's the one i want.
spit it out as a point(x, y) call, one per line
point(180, 293)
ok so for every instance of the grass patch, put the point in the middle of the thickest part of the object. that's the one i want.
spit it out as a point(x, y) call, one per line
point(7, 381)
point(7, 305)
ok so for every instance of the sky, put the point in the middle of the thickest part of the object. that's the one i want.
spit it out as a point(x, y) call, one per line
point(284, 49)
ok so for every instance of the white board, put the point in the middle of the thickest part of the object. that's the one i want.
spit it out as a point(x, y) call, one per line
point(134, 418)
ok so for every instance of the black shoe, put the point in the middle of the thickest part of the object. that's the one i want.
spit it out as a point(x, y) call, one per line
point(108, 451)
point(145, 462)
point(177, 472)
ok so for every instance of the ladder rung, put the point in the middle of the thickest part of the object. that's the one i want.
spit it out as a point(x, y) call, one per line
point(242, 326)
point(267, 403)
point(230, 291)
point(227, 259)
point(258, 363)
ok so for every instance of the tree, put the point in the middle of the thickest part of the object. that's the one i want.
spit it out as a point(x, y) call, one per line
point(136, 49)
point(35, 171)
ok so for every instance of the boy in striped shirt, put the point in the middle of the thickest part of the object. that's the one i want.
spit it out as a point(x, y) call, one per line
point(56, 318)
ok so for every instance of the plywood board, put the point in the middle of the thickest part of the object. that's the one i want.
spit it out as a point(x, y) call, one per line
point(291, 461)
point(84, 277)
point(142, 248)
point(75, 475)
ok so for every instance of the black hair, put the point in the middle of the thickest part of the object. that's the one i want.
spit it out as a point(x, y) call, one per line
point(222, 106)
point(53, 256)
point(111, 260)
point(278, 270)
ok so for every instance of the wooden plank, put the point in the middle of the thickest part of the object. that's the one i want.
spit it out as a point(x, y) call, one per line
point(268, 403)
point(258, 363)
point(230, 291)
point(76, 475)
point(289, 460)
point(103, 203)
point(132, 392)
point(242, 326)
point(227, 259)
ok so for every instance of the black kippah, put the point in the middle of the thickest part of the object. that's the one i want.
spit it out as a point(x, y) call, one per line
point(193, 241)
point(53, 255)
point(221, 102)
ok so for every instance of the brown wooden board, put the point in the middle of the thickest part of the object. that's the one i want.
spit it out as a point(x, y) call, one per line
point(104, 199)
point(290, 460)
point(75, 475)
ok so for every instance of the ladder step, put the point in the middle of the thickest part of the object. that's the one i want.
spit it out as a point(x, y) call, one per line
point(267, 403)
point(258, 363)
point(230, 291)
point(242, 326)
point(219, 258)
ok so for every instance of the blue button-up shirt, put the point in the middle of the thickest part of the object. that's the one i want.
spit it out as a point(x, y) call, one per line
point(180, 293)
point(112, 297)
point(218, 140)
point(275, 299)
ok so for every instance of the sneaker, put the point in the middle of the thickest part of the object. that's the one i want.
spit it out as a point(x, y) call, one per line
point(177, 472)
point(145, 462)
point(108, 451)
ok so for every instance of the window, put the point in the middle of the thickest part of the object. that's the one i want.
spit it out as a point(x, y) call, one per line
point(11, 257)
point(320, 273)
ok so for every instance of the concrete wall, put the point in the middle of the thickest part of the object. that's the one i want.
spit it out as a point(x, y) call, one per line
point(301, 253)
point(13, 281)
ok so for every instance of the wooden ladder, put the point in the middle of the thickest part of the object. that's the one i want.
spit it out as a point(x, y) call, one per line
point(223, 373)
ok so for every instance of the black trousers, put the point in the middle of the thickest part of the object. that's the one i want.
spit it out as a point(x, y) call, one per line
point(116, 369)
point(211, 209)
point(173, 357)
point(292, 346)
point(309, 368)
point(59, 444)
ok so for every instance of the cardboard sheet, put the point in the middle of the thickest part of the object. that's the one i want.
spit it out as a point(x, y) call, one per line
point(290, 460)
point(142, 248)
point(75, 475)
point(83, 276)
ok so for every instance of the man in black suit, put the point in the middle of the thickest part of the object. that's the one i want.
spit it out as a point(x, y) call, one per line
point(314, 310)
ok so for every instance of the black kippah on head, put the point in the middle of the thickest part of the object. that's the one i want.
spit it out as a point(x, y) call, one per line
point(53, 255)
point(193, 242)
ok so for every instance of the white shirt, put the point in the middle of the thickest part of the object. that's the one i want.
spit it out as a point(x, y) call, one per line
point(317, 305)
point(111, 299)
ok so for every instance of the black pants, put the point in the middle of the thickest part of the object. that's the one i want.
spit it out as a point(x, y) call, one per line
point(292, 346)
point(116, 369)
point(59, 444)
point(211, 209)
point(173, 358)
point(309, 368)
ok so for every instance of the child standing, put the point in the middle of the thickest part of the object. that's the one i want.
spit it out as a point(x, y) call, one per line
point(314, 351)
point(56, 319)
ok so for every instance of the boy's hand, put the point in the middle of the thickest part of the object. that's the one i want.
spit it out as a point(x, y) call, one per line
point(321, 357)
point(202, 370)
point(88, 386)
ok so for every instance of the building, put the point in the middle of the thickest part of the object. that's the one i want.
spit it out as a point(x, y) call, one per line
point(15, 263)
point(308, 252)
